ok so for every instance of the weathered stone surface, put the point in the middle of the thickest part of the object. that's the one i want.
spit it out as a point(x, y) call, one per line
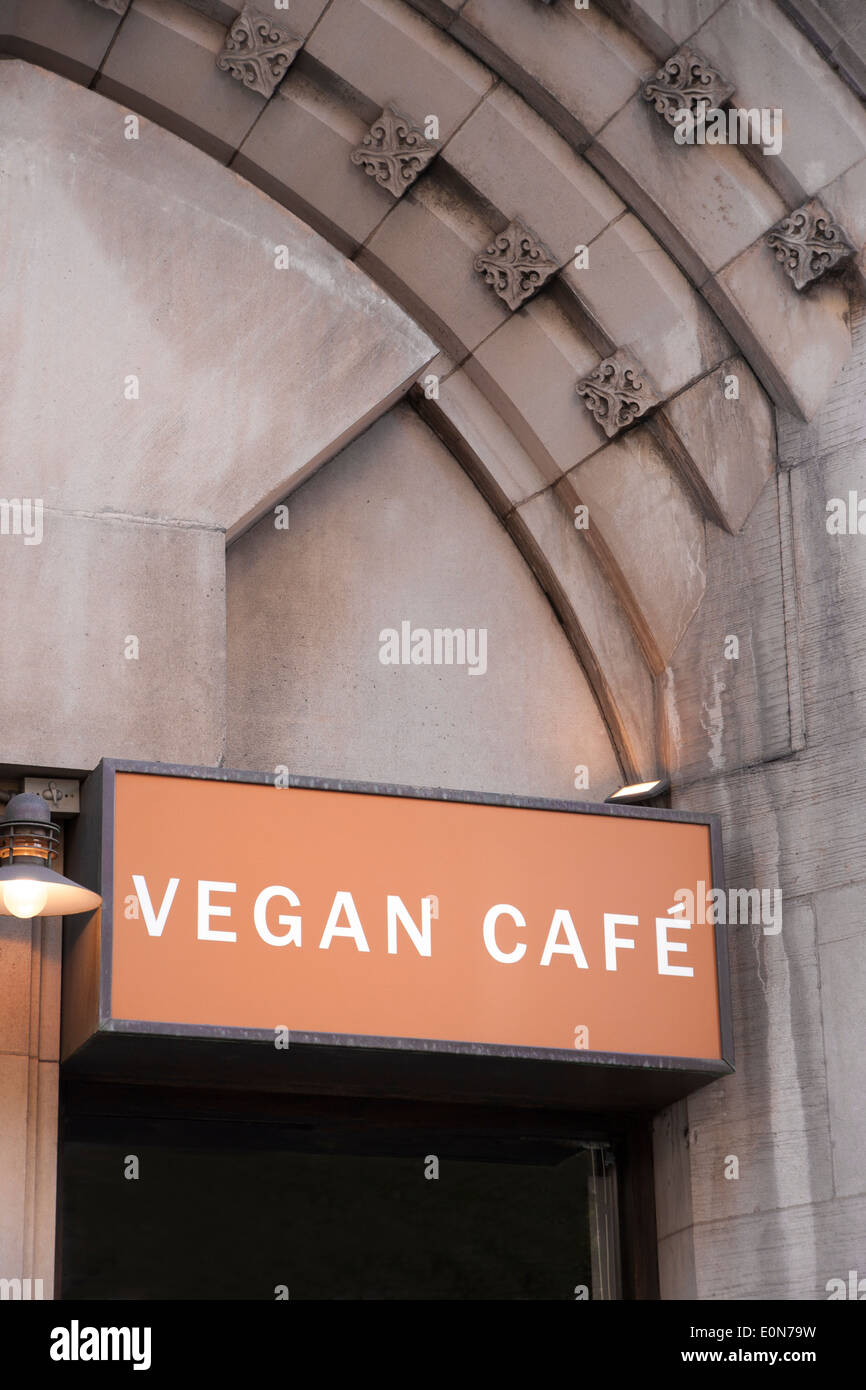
point(47, 940)
point(527, 369)
point(504, 472)
point(68, 36)
point(841, 421)
point(796, 343)
point(299, 152)
point(686, 82)
point(677, 1277)
point(653, 530)
point(394, 151)
point(830, 567)
point(671, 1170)
point(841, 930)
point(98, 581)
point(775, 66)
point(809, 244)
point(171, 258)
point(515, 263)
point(784, 822)
point(258, 51)
point(395, 57)
point(14, 1071)
point(162, 65)
point(15, 951)
point(30, 986)
point(724, 711)
point(706, 203)
point(505, 146)
point(789, 1254)
point(641, 300)
point(774, 816)
point(422, 254)
point(441, 367)
point(433, 554)
point(28, 1168)
point(845, 199)
point(29, 1043)
point(301, 16)
point(838, 32)
point(538, 50)
point(728, 443)
point(780, 1250)
point(661, 24)
point(441, 11)
point(41, 1230)
point(771, 1113)
point(570, 568)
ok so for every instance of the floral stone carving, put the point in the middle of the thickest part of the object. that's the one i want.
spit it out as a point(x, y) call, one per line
point(516, 264)
point(618, 392)
point(394, 151)
point(687, 82)
point(258, 52)
point(809, 243)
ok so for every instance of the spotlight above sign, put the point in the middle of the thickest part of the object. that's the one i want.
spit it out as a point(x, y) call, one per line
point(637, 793)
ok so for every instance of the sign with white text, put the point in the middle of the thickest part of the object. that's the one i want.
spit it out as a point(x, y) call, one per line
point(370, 918)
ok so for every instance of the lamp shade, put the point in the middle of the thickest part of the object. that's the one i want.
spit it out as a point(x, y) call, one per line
point(29, 887)
point(56, 896)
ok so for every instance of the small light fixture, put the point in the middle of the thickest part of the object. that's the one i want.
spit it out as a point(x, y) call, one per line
point(29, 887)
point(637, 792)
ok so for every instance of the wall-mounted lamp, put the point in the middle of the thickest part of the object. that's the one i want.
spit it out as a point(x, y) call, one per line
point(28, 886)
point(637, 792)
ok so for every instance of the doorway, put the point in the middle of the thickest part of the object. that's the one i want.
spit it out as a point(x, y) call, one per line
point(323, 1200)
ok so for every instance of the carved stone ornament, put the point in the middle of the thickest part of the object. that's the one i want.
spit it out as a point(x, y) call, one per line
point(516, 264)
point(809, 243)
point(618, 392)
point(118, 6)
point(258, 52)
point(394, 151)
point(687, 82)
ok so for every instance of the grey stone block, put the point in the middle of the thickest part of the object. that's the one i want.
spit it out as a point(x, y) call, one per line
point(211, 323)
point(95, 583)
point(396, 508)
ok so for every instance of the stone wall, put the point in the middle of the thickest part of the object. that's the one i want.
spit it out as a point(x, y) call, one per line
point(394, 531)
point(794, 1112)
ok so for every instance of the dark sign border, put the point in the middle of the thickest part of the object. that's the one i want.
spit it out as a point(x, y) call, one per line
point(106, 773)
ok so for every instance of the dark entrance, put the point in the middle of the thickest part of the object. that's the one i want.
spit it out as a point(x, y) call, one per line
point(313, 1198)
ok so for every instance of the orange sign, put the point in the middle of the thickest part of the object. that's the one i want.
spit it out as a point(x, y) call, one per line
point(348, 915)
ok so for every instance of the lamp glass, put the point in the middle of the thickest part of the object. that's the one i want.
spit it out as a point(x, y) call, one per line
point(24, 897)
point(62, 897)
point(637, 788)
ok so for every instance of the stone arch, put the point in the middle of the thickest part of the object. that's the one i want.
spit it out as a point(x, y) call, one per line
point(552, 115)
point(384, 548)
